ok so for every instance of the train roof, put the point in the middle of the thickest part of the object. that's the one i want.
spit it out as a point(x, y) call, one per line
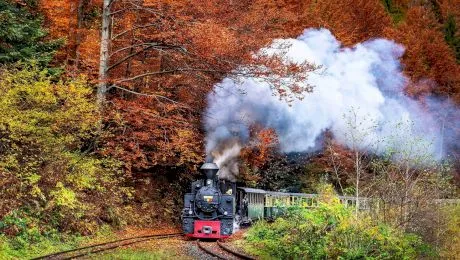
point(276, 193)
point(252, 190)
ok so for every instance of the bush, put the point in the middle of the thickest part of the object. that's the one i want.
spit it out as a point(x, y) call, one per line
point(51, 178)
point(331, 231)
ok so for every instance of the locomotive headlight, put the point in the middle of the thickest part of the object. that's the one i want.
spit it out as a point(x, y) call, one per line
point(190, 212)
point(208, 182)
point(225, 213)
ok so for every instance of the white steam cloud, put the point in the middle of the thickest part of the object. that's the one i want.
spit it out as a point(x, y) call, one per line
point(366, 79)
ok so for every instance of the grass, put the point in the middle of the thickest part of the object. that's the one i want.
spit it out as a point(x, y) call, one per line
point(17, 248)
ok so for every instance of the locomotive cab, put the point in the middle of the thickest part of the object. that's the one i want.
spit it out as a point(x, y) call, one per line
point(209, 207)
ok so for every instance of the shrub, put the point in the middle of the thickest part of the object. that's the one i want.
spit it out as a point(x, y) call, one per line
point(331, 231)
point(51, 178)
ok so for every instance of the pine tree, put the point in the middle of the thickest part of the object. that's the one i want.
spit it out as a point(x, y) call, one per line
point(22, 37)
point(451, 36)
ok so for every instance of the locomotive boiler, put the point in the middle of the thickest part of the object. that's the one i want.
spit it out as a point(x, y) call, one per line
point(209, 207)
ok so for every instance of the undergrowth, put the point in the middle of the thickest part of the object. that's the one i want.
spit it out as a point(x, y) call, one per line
point(332, 231)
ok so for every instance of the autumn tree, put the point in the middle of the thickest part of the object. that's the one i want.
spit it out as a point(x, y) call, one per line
point(76, 21)
point(407, 184)
point(159, 59)
point(427, 54)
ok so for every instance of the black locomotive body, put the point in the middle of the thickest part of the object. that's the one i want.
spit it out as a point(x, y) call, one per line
point(209, 208)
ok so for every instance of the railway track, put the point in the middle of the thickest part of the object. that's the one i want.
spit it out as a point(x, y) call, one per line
point(221, 251)
point(97, 248)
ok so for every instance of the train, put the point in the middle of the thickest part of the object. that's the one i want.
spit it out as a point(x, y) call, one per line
point(213, 206)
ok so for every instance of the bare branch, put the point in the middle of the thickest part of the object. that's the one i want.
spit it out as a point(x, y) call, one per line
point(119, 11)
point(150, 10)
point(111, 2)
point(133, 29)
point(150, 95)
point(168, 72)
point(128, 57)
point(149, 46)
point(132, 46)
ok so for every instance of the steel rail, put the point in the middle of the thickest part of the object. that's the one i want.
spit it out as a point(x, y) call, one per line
point(238, 254)
point(210, 252)
point(109, 244)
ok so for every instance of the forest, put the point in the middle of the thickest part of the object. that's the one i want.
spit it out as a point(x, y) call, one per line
point(109, 108)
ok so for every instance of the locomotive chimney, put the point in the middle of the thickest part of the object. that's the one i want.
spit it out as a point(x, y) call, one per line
point(210, 170)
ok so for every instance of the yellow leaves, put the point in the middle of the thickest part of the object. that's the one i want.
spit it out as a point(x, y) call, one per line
point(86, 173)
point(185, 142)
point(328, 196)
point(43, 129)
point(63, 196)
point(33, 178)
point(35, 108)
point(37, 192)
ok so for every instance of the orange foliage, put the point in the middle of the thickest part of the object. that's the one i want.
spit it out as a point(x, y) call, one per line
point(450, 7)
point(264, 142)
point(427, 55)
point(351, 21)
point(66, 20)
point(207, 39)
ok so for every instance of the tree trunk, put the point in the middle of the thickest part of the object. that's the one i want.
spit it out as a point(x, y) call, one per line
point(78, 39)
point(104, 55)
point(357, 166)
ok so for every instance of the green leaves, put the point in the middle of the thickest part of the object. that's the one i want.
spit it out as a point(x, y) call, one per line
point(452, 36)
point(21, 36)
point(330, 231)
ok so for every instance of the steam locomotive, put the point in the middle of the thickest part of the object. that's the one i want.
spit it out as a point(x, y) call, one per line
point(209, 208)
point(213, 206)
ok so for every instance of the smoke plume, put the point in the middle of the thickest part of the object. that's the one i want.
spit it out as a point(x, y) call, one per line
point(359, 89)
point(226, 157)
